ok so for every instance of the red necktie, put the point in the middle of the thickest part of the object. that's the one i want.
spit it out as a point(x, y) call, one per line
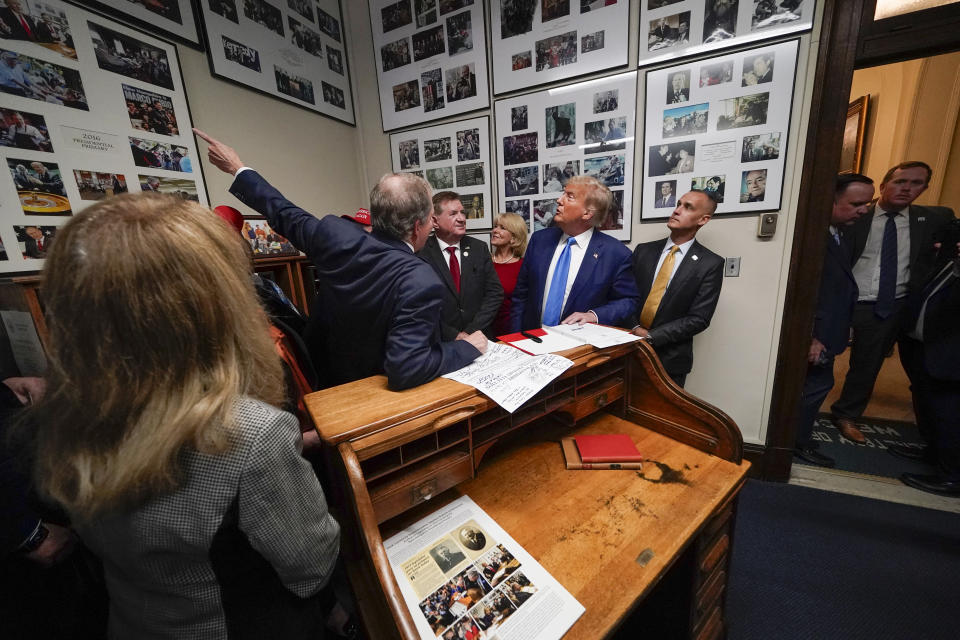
point(454, 267)
point(26, 27)
point(40, 245)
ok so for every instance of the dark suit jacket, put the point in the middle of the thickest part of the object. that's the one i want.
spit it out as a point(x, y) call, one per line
point(378, 305)
point(687, 305)
point(475, 306)
point(30, 248)
point(924, 222)
point(941, 335)
point(17, 32)
point(604, 283)
point(836, 299)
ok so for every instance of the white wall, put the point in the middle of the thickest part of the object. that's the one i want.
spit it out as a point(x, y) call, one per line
point(312, 159)
point(735, 359)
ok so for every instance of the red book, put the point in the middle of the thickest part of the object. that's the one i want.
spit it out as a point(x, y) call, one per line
point(609, 447)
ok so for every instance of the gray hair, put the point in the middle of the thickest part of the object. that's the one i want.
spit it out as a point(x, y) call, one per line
point(397, 202)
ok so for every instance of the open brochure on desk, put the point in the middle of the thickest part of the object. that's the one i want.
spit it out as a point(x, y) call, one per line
point(459, 571)
point(567, 336)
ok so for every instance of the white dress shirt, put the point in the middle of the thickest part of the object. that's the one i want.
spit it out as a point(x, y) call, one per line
point(577, 251)
point(446, 254)
point(677, 259)
point(866, 270)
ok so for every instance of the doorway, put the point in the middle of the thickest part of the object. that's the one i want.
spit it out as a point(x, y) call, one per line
point(913, 83)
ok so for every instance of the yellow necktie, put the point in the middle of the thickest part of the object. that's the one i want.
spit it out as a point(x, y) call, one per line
point(658, 289)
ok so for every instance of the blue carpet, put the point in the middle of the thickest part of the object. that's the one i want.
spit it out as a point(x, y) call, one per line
point(818, 565)
point(871, 458)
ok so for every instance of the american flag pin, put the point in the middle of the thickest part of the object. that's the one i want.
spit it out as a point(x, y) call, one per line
point(694, 257)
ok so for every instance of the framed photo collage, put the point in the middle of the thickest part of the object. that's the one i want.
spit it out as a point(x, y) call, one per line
point(711, 119)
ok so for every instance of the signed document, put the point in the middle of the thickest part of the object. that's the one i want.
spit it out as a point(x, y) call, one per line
point(509, 376)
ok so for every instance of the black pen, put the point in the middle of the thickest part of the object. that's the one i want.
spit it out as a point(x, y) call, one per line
point(531, 336)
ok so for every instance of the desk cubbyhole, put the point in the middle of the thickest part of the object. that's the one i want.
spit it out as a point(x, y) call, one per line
point(418, 448)
point(381, 464)
point(452, 434)
point(604, 370)
point(491, 431)
point(488, 417)
point(528, 413)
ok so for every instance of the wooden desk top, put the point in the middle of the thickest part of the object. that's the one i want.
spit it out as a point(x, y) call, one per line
point(360, 408)
point(589, 528)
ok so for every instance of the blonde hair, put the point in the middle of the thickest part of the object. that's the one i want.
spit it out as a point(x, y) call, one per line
point(155, 331)
point(517, 227)
point(596, 196)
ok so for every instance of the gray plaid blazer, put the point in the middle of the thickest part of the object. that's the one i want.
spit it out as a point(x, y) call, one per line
point(159, 560)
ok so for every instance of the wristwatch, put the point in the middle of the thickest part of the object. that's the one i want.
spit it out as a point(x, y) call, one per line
point(35, 540)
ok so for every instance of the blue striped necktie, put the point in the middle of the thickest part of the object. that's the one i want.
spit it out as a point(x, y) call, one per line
point(558, 287)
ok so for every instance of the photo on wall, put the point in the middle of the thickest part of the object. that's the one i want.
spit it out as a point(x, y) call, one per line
point(535, 42)
point(82, 92)
point(429, 153)
point(430, 58)
point(165, 18)
point(681, 28)
point(728, 132)
point(565, 137)
point(291, 50)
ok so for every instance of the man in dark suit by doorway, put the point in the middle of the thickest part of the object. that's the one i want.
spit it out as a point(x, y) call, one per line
point(572, 272)
point(892, 252)
point(679, 281)
point(931, 350)
point(378, 305)
point(472, 291)
point(835, 302)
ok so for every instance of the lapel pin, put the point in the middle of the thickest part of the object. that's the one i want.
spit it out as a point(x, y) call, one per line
point(596, 255)
point(694, 257)
point(921, 219)
point(465, 254)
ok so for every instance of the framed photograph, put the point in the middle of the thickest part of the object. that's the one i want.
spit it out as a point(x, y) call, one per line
point(431, 58)
point(671, 29)
point(719, 125)
point(264, 241)
point(452, 157)
point(851, 155)
point(168, 18)
point(293, 50)
point(97, 111)
point(540, 41)
point(579, 129)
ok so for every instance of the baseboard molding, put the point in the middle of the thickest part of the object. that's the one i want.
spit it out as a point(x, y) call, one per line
point(768, 463)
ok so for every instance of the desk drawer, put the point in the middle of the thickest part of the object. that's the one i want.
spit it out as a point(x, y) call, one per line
point(401, 491)
point(594, 400)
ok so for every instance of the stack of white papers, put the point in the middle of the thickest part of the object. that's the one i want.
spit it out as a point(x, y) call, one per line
point(568, 336)
point(508, 376)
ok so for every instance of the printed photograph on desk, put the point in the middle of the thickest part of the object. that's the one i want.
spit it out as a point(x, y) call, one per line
point(546, 138)
point(69, 122)
point(462, 576)
point(678, 28)
point(431, 59)
point(539, 41)
point(453, 156)
point(720, 123)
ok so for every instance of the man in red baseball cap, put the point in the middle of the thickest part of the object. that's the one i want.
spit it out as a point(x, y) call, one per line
point(362, 218)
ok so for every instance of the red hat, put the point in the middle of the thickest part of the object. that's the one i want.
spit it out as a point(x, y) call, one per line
point(232, 217)
point(362, 216)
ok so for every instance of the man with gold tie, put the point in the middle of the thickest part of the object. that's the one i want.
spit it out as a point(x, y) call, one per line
point(679, 281)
